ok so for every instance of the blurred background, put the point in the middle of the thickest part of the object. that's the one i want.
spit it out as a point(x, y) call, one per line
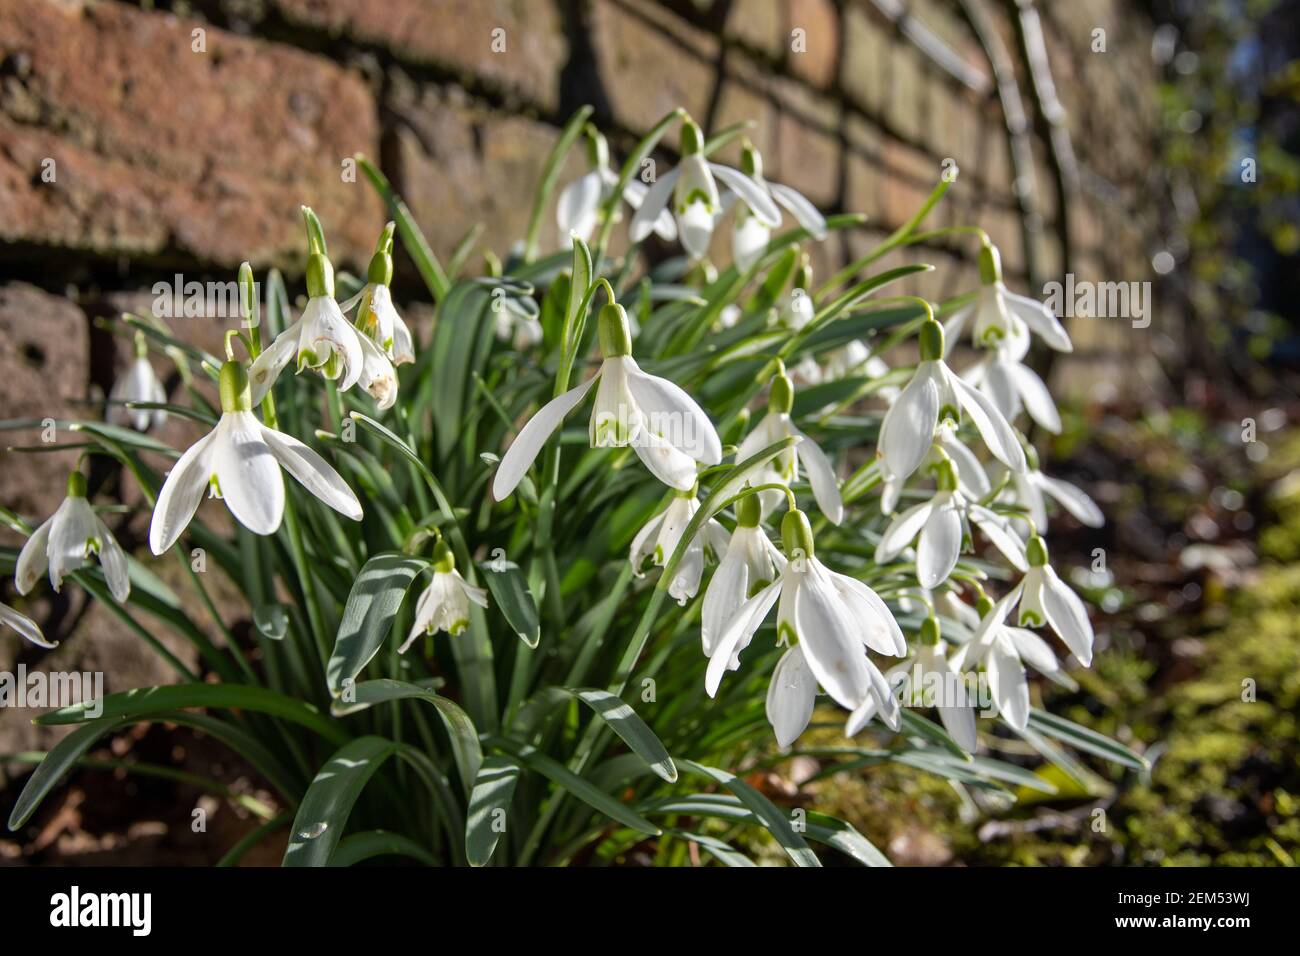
point(1096, 141)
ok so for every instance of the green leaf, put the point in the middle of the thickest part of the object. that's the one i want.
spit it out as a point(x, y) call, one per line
point(490, 799)
point(412, 238)
point(777, 823)
point(723, 852)
point(623, 720)
point(323, 814)
point(929, 730)
point(464, 317)
point(561, 776)
point(465, 746)
point(512, 597)
point(357, 847)
point(150, 700)
point(550, 173)
point(271, 621)
point(57, 762)
point(1089, 741)
point(368, 615)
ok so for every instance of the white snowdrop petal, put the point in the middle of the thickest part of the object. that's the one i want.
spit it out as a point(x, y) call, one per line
point(790, 697)
point(1073, 500)
point(749, 238)
point(113, 560)
point(654, 202)
point(248, 473)
point(1040, 320)
point(26, 627)
point(752, 193)
point(578, 205)
point(266, 368)
point(181, 494)
point(908, 428)
point(523, 451)
point(313, 472)
point(1033, 650)
point(939, 546)
point(805, 213)
point(877, 626)
point(998, 530)
point(953, 327)
point(725, 594)
point(673, 415)
point(1037, 399)
point(739, 633)
point(993, 428)
point(33, 559)
point(902, 530)
point(1068, 617)
point(826, 634)
point(821, 476)
point(1008, 684)
point(674, 468)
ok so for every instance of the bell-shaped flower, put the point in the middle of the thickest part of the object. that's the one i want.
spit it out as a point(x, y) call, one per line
point(934, 393)
point(795, 309)
point(1032, 488)
point(750, 563)
point(1004, 651)
point(696, 204)
point(1002, 318)
point(661, 535)
point(750, 233)
point(240, 461)
point(578, 210)
point(928, 678)
point(376, 315)
point(444, 604)
point(66, 539)
point(25, 626)
point(1044, 599)
point(515, 323)
point(941, 525)
point(829, 620)
point(784, 468)
point(323, 340)
point(666, 428)
point(138, 384)
point(1012, 386)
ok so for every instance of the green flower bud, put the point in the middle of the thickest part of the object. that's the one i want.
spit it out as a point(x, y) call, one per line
point(796, 534)
point(76, 484)
point(236, 396)
point(613, 332)
point(990, 264)
point(931, 341)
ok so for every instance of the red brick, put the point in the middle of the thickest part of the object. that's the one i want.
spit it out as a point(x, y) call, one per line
point(819, 61)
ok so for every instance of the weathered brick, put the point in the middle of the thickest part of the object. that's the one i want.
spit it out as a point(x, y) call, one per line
point(817, 57)
point(760, 25)
point(911, 176)
point(161, 152)
point(652, 62)
point(864, 72)
point(457, 34)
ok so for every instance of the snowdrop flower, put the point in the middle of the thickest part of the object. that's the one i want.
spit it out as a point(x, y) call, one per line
point(751, 563)
point(240, 461)
point(1004, 651)
point(578, 210)
point(796, 309)
point(935, 392)
point(729, 316)
point(25, 626)
point(1013, 386)
point(750, 233)
point(696, 204)
point(784, 468)
point(1002, 318)
point(664, 426)
point(376, 315)
point(444, 605)
point(829, 620)
point(67, 538)
point(929, 679)
point(660, 536)
point(323, 340)
point(1032, 488)
point(515, 325)
point(1044, 599)
point(941, 525)
point(139, 384)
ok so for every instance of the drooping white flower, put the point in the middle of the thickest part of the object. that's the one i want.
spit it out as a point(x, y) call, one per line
point(829, 620)
point(666, 428)
point(323, 340)
point(444, 604)
point(750, 233)
point(1032, 488)
point(750, 563)
point(138, 384)
point(1011, 386)
point(377, 317)
point(928, 678)
point(66, 539)
point(25, 626)
point(661, 535)
point(941, 525)
point(784, 468)
point(935, 392)
point(1002, 318)
point(696, 203)
point(1004, 651)
point(240, 461)
point(1044, 599)
point(515, 324)
point(578, 210)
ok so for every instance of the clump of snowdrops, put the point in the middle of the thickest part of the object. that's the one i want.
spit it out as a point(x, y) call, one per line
point(478, 609)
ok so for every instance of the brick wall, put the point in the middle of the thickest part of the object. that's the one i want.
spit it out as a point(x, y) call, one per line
point(168, 157)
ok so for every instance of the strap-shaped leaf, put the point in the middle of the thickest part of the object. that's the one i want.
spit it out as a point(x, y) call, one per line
point(489, 802)
point(327, 804)
point(368, 615)
point(465, 745)
point(358, 847)
point(771, 816)
point(1081, 738)
point(625, 722)
point(58, 762)
point(511, 595)
point(723, 852)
